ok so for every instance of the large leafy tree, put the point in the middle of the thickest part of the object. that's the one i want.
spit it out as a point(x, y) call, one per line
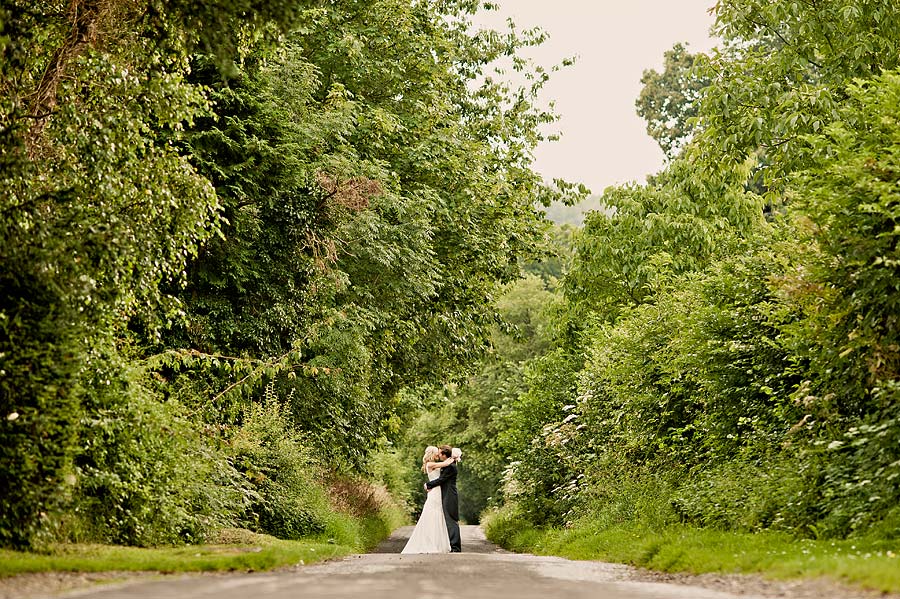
point(782, 72)
point(332, 213)
point(376, 197)
point(725, 349)
point(651, 233)
point(99, 208)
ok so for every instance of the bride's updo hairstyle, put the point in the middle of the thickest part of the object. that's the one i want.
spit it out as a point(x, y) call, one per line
point(430, 452)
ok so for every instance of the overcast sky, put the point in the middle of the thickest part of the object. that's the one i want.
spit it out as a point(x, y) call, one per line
point(603, 140)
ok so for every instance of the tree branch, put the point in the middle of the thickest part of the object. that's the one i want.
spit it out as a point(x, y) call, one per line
point(784, 41)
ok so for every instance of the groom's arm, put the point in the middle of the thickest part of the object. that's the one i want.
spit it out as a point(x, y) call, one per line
point(445, 474)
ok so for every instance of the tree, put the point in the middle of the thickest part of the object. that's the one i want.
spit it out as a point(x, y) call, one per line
point(670, 100)
point(782, 73)
point(477, 413)
point(844, 283)
point(736, 372)
point(376, 200)
point(98, 209)
point(678, 223)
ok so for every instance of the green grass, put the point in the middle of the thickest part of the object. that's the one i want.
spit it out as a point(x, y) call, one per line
point(245, 551)
point(869, 563)
point(236, 549)
point(363, 533)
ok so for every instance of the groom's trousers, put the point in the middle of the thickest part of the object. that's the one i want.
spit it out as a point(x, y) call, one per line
point(451, 515)
point(453, 531)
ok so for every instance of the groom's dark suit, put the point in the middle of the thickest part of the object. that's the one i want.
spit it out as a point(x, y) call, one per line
point(450, 497)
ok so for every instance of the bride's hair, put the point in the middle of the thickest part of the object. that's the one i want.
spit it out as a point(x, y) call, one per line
point(430, 452)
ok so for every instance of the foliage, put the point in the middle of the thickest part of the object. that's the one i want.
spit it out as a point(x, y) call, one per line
point(346, 259)
point(542, 465)
point(751, 357)
point(390, 471)
point(295, 497)
point(669, 100)
point(680, 223)
point(96, 214)
point(200, 202)
point(268, 238)
point(145, 475)
point(365, 513)
point(783, 71)
point(558, 249)
point(745, 496)
point(690, 377)
point(288, 502)
point(846, 212)
point(471, 414)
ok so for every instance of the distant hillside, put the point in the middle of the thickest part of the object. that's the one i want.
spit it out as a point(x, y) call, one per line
point(572, 215)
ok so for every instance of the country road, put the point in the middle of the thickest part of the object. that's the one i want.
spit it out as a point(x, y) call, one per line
point(482, 571)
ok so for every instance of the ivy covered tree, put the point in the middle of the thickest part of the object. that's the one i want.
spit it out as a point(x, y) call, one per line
point(98, 211)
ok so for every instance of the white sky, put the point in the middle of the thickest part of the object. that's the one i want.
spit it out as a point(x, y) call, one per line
point(603, 140)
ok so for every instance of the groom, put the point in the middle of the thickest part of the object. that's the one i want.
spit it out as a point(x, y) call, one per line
point(447, 482)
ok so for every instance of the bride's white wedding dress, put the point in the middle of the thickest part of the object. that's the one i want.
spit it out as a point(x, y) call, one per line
point(430, 533)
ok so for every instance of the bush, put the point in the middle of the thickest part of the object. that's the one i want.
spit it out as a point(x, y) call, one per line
point(779, 494)
point(619, 492)
point(145, 475)
point(510, 527)
point(364, 513)
point(40, 395)
point(289, 502)
point(847, 285)
point(538, 432)
point(389, 470)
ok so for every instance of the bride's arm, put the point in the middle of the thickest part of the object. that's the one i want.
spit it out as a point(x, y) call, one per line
point(445, 475)
point(432, 465)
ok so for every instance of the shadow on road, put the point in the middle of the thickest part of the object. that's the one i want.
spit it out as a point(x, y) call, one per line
point(473, 540)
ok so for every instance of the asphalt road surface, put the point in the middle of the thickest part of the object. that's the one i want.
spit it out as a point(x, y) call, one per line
point(482, 571)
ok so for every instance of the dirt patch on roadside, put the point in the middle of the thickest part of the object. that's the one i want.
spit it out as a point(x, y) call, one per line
point(756, 586)
point(47, 584)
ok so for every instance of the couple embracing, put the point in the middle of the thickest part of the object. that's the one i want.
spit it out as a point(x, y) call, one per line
point(437, 530)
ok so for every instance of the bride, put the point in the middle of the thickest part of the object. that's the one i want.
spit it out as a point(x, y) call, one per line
point(430, 534)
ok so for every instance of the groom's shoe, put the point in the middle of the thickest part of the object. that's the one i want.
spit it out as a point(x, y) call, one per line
point(456, 550)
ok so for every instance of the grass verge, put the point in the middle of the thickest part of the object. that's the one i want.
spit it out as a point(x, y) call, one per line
point(360, 517)
point(235, 550)
point(869, 563)
point(244, 551)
